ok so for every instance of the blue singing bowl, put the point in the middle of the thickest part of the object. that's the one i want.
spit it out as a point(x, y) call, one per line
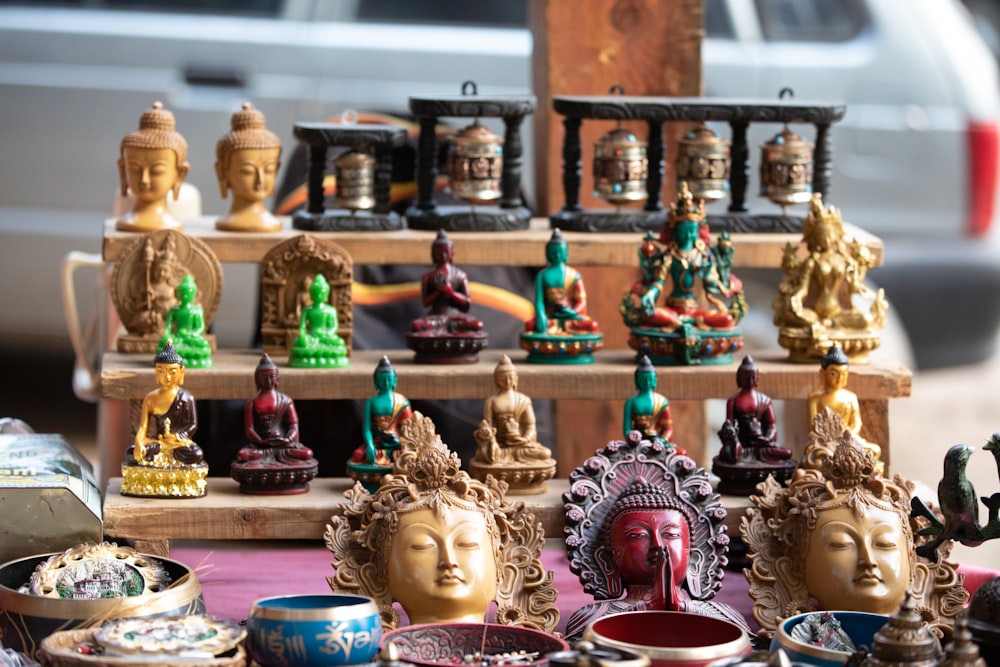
point(859, 626)
point(313, 630)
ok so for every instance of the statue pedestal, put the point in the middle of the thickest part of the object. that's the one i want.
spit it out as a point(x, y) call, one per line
point(543, 348)
point(523, 479)
point(686, 345)
point(270, 478)
point(172, 482)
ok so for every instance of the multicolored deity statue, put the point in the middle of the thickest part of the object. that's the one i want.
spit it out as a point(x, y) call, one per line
point(644, 530)
point(696, 322)
point(443, 545)
point(507, 440)
point(247, 162)
point(163, 460)
point(318, 345)
point(648, 412)
point(185, 327)
point(152, 164)
point(561, 331)
point(447, 334)
point(273, 462)
point(750, 450)
point(817, 304)
point(833, 395)
point(384, 413)
point(840, 537)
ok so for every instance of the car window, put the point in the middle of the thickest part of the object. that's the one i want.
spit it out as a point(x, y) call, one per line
point(718, 23)
point(495, 13)
point(228, 7)
point(811, 20)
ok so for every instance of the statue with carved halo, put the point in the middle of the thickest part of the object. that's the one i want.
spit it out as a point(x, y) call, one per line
point(822, 299)
point(696, 320)
point(644, 530)
point(840, 537)
point(398, 544)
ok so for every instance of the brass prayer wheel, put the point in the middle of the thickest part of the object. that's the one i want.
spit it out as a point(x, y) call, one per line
point(620, 167)
point(475, 163)
point(355, 172)
point(704, 161)
point(786, 169)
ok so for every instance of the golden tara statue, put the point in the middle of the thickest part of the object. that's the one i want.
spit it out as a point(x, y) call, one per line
point(834, 395)
point(441, 544)
point(816, 306)
point(507, 440)
point(247, 162)
point(153, 163)
point(840, 537)
point(163, 460)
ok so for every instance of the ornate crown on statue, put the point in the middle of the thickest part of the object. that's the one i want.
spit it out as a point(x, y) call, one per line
point(686, 207)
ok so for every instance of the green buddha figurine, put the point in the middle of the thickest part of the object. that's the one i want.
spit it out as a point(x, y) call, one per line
point(318, 345)
point(185, 327)
point(648, 411)
point(383, 413)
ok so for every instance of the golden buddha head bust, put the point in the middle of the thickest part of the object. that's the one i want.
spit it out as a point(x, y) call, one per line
point(151, 165)
point(840, 537)
point(439, 543)
point(247, 161)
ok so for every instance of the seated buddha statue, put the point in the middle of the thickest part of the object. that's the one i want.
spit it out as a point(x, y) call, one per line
point(702, 301)
point(441, 545)
point(507, 439)
point(382, 416)
point(643, 532)
point(247, 162)
point(318, 345)
point(163, 459)
point(818, 299)
point(152, 165)
point(648, 411)
point(561, 331)
point(447, 333)
point(185, 327)
point(273, 461)
point(834, 395)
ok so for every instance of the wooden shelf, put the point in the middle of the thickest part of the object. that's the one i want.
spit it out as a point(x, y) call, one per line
point(130, 376)
point(226, 514)
point(517, 248)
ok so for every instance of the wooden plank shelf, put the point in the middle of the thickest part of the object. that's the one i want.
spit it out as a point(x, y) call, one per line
point(130, 376)
point(226, 514)
point(515, 248)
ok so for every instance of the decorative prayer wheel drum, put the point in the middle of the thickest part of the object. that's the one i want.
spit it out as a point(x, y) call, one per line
point(355, 172)
point(786, 169)
point(475, 163)
point(620, 167)
point(704, 161)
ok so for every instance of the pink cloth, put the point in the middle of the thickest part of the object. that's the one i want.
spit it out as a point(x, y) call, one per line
point(234, 576)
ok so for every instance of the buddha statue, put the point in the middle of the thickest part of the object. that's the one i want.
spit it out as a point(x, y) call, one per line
point(318, 345)
point(185, 327)
point(817, 304)
point(442, 545)
point(648, 411)
point(696, 321)
point(274, 461)
point(750, 450)
point(833, 395)
point(447, 333)
point(507, 444)
point(840, 537)
point(152, 165)
point(644, 531)
point(383, 414)
point(163, 459)
point(561, 331)
point(247, 162)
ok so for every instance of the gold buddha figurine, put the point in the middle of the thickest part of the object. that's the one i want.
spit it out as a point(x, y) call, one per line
point(441, 544)
point(247, 162)
point(507, 439)
point(816, 305)
point(840, 537)
point(152, 165)
point(163, 460)
point(833, 395)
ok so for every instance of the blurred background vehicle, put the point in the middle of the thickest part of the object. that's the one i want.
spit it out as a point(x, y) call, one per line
point(915, 157)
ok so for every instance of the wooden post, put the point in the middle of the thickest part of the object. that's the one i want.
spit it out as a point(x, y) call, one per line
point(649, 47)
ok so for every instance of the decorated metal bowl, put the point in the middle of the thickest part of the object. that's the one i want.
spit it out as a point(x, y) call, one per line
point(26, 618)
point(314, 630)
point(860, 627)
point(670, 638)
point(448, 644)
